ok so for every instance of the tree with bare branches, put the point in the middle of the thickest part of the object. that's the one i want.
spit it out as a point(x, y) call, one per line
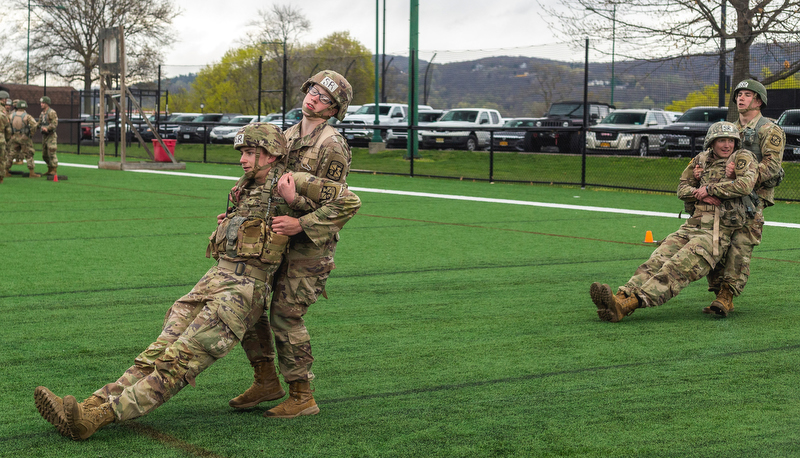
point(64, 35)
point(666, 29)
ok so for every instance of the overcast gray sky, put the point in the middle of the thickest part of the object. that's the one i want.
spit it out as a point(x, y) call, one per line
point(208, 28)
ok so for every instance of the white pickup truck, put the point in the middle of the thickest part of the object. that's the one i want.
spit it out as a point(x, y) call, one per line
point(464, 139)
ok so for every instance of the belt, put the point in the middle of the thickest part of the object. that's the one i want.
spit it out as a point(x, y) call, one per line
point(240, 268)
point(705, 207)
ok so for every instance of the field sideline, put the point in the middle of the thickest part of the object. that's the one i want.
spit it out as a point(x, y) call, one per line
point(458, 324)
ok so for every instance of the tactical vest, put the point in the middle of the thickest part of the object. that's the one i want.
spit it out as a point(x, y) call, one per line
point(310, 157)
point(18, 124)
point(245, 233)
point(750, 140)
point(44, 120)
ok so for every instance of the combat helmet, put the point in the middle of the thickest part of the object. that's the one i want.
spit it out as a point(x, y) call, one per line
point(262, 134)
point(751, 85)
point(722, 129)
point(336, 85)
point(45, 99)
point(4, 95)
point(20, 104)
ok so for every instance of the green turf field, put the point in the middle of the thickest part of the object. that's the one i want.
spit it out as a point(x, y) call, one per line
point(453, 328)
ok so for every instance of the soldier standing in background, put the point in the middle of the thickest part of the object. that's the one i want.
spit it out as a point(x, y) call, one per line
point(48, 122)
point(22, 127)
point(317, 148)
point(5, 135)
point(766, 141)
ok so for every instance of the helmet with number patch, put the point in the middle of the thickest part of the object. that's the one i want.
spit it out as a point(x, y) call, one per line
point(722, 129)
point(336, 85)
point(751, 85)
point(45, 99)
point(21, 104)
point(262, 134)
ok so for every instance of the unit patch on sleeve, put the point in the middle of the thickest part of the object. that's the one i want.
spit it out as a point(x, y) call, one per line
point(335, 171)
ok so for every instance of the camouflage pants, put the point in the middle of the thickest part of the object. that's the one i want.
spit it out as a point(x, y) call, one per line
point(683, 257)
point(734, 268)
point(4, 157)
point(290, 302)
point(20, 147)
point(199, 328)
point(49, 144)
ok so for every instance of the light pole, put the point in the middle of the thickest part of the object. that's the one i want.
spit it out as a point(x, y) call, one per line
point(28, 56)
point(283, 91)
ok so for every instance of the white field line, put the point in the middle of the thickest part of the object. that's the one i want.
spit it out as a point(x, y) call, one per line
point(451, 197)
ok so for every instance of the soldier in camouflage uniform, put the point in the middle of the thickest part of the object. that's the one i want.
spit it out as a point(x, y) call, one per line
point(722, 206)
point(317, 148)
point(48, 122)
point(205, 324)
point(766, 140)
point(5, 135)
point(23, 126)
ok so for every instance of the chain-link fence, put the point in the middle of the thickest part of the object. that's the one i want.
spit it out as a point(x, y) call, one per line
point(539, 135)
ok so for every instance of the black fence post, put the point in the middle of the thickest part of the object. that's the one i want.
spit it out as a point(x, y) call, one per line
point(585, 126)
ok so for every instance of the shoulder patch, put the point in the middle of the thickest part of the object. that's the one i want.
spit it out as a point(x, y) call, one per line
point(775, 140)
point(335, 171)
point(740, 164)
point(328, 192)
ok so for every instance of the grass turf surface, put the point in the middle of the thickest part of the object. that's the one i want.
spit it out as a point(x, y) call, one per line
point(453, 328)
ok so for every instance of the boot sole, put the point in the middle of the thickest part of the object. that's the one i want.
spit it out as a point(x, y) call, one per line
point(313, 410)
point(603, 298)
point(70, 407)
point(50, 410)
point(718, 309)
point(247, 405)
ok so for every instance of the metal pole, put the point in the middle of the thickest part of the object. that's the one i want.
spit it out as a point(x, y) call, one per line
point(425, 83)
point(413, 87)
point(28, 57)
point(585, 115)
point(383, 61)
point(613, 45)
point(722, 58)
point(376, 136)
point(260, 63)
point(283, 99)
point(158, 98)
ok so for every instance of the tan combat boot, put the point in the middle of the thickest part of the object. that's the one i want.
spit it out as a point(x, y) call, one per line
point(51, 170)
point(8, 171)
point(33, 174)
point(84, 421)
point(300, 402)
point(723, 304)
point(619, 307)
point(51, 408)
point(266, 387)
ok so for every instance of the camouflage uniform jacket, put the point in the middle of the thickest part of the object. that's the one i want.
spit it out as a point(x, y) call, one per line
point(22, 125)
point(771, 141)
point(733, 210)
point(245, 234)
point(323, 153)
point(5, 129)
point(48, 119)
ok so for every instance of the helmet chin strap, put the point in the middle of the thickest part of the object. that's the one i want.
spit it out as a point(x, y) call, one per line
point(315, 114)
point(749, 107)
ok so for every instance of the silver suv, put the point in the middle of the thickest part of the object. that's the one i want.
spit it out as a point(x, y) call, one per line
point(628, 131)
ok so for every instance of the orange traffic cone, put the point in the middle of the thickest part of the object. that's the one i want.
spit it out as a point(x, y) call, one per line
point(648, 237)
point(55, 179)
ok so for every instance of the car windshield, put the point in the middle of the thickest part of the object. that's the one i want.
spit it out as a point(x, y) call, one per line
point(704, 116)
point(789, 118)
point(241, 119)
point(618, 117)
point(519, 123)
point(184, 118)
point(427, 117)
point(208, 118)
point(370, 109)
point(566, 109)
point(460, 115)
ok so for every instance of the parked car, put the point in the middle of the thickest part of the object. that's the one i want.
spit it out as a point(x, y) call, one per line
point(466, 118)
point(397, 137)
point(789, 121)
point(199, 129)
point(169, 131)
point(225, 133)
point(561, 115)
point(89, 124)
point(678, 136)
point(512, 140)
point(354, 126)
point(293, 116)
point(627, 131)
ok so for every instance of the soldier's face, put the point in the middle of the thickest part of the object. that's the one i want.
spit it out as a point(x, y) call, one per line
point(745, 98)
point(248, 160)
point(723, 147)
point(313, 102)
